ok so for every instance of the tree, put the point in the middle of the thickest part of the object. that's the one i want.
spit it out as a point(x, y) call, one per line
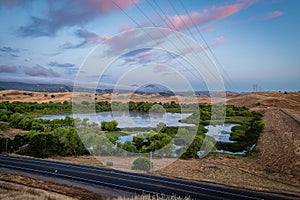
point(128, 146)
point(161, 127)
point(191, 152)
point(142, 163)
point(38, 146)
point(109, 126)
point(70, 142)
point(15, 120)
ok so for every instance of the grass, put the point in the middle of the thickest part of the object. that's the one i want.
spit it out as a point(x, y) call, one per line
point(13, 191)
point(6, 131)
point(18, 187)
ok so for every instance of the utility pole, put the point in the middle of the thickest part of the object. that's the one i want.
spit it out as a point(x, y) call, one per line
point(255, 88)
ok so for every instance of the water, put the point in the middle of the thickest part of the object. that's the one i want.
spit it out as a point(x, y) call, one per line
point(129, 119)
point(221, 133)
point(125, 138)
point(213, 130)
point(237, 153)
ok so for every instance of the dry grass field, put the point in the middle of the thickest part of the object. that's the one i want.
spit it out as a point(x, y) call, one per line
point(17, 187)
point(275, 168)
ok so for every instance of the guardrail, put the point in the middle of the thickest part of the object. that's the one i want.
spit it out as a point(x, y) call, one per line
point(290, 115)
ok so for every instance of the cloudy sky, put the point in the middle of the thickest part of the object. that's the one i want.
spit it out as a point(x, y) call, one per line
point(251, 41)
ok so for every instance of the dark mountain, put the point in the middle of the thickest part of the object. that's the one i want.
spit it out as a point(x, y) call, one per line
point(154, 88)
point(35, 87)
point(151, 88)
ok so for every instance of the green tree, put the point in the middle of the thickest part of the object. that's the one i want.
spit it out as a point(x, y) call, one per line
point(37, 146)
point(192, 150)
point(128, 146)
point(142, 163)
point(109, 126)
point(70, 141)
point(161, 127)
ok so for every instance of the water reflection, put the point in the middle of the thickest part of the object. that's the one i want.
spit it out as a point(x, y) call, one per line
point(129, 119)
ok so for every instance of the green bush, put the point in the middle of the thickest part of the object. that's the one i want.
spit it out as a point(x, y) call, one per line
point(109, 126)
point(110, 164)
point(142, 163)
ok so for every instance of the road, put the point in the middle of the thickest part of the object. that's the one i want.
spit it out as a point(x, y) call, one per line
point(131, 182)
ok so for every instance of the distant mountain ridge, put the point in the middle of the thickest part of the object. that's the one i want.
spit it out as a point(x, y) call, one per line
point(35, 87)
point(151, 88)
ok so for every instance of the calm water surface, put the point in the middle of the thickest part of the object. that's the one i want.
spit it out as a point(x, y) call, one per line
point(129, 119)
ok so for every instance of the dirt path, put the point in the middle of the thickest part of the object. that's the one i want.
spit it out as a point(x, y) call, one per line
point(279, 144)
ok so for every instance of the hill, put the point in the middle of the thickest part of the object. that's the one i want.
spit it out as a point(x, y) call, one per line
point(35, 87)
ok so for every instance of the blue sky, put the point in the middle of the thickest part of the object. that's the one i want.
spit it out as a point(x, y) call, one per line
point(255, 41)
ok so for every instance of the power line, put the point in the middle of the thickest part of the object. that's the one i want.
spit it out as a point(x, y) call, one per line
point(150, 20)
point(202, 37)
point(170, 22)
point(174, 28)
point(138, 25)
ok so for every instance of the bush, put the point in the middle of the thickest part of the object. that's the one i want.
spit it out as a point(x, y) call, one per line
point(86, 103)
point(142, 163)
point(110, 164)
point(109, 126)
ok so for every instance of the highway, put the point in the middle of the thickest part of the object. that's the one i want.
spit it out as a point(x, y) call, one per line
point(131, 182)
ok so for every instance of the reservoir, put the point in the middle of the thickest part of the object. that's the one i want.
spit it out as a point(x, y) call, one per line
point(128, 119)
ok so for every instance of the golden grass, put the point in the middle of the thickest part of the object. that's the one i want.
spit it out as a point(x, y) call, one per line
point(13, 191)
point(14, 186)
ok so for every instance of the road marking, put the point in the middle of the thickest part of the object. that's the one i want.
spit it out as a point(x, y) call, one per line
point(135, 176)
point(111, 177)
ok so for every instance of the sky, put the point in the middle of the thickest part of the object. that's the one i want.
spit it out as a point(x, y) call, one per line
point(247, 41)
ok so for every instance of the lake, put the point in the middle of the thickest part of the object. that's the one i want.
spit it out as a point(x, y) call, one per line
point(214, 130)
point(129, 119)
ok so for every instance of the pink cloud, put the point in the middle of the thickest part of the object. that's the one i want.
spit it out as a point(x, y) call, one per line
point(180, 22)
point(274, 14)
point(105, 6)
point(216, 42)
point(161, 67)
point(69, 13)
point(209, 29)
point(125, 27)
point(89, 38)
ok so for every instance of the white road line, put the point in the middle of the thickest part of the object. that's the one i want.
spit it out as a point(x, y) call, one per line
point(77, 178)
point(141, 177)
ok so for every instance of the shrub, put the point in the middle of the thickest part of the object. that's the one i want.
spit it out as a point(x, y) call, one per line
point(110, 164)
point(142, 163)
point(109, 126)
point(86, 103)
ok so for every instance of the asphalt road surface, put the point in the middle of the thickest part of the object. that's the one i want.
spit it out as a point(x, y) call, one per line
point(132, 182)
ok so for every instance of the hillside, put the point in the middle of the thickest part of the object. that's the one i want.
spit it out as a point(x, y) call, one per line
point(35, 87)
point(257, 101)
